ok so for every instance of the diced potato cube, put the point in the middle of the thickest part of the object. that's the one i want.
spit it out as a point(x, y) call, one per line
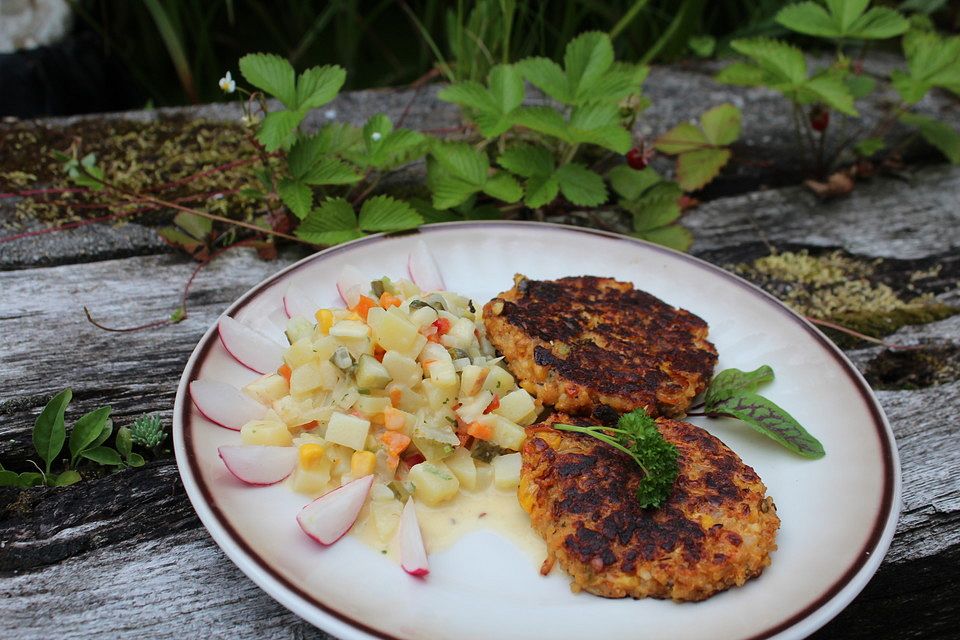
point(386, 516)
point(371, 374)
point(433, 482)
point(444, 374)
point(380, 492)
point(517, 406)
point(370, 405)
point(357, 346)
point(340, 457)
point(350, 329)
point(423, 316)
point(463, 466)
point(299, 353)
point(312, 376)
point(403, 370)
point(415, 348)
point(394, 332)
point(472, 408)
point(262, 432)
point(268, 388)
point(484, 474)
point(375, 316)
point(433, 352)
point(324, 346)
point(312, 481)
point(410, 401)
point(350, 431)
point(499, 381)
point(438, 397)
point(293, 411)
point(506, 434)
point(471, 380)
point(460, 334)
point(506, 471)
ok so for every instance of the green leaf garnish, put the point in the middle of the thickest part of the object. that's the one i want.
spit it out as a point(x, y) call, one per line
point(733, 393)
point(636, 435)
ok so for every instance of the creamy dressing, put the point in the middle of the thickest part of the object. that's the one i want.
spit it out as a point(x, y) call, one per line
point(442, 526)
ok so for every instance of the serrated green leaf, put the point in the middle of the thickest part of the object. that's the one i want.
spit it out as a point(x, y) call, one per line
point(124, 442)
point(546, 75)
point(178, 238)
point(702, 45)
point(331, 171)
point(869, 146)
point(674, 236)
point(911, 89)
point(580, 185)
point(845, 12)
point(743, 74)
point(297, 196)
point(630, 183)
point(933, 61)
point(86, 430)
point(721, 124)
point(541, 190)
point(271, 74)
point(809, 18)
point(339, 137)
point(103, 455)
point(682, 138)
point(543, 120)
point(506, 88)
point(527, 160)
point(319, 85)
point(305, 153)
point(860, 86)
point(333, 222)
point(49, 431)
point(783, 63)
point(659, 206)
point(831, 91)
point(65, 479)
point(879, 23)
point(769, 419)
point(278, 129)
point(468, 94)
point(383, 213)
point(695, 169)
point(462, 161)
point(503, 186)
point(599, 124)
point(730, 381)
point(939, 134)
point(431, 214)
point(620, 81)
point(586, 59)
point(386, 148)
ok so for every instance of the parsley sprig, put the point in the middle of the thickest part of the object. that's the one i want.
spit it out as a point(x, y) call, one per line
point(636, 435)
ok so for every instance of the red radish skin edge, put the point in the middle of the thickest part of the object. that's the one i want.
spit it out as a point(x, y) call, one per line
point(357, 490)
point(423, 268)
point(350, 285)
point(260, 457)
point(413, 555)
point(202, 394)
point(233, 328)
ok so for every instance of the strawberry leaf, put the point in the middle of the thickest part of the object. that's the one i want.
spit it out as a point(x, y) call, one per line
point(319, 85)
point(271, 74)
point(580, 185)
point(383, 213)
point(721, 124)
point(697, 168)
point(297, 196)
point(332, 222)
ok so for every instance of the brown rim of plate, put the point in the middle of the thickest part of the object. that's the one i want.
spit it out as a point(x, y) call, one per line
point(889, 464)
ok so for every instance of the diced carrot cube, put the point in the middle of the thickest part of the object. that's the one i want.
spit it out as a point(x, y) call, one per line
point(285, 371)
point(363, 306)
point(480, 431)
point(494, 404)
point(395, 442)
point(388, 300)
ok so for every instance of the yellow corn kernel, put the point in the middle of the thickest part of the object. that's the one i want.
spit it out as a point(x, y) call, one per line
point(311, 454)
point(324, 320)
point(362, 463)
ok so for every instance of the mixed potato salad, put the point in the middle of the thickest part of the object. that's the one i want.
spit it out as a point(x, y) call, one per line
point(397, 397)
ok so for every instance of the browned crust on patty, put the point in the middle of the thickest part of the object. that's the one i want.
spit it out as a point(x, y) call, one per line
point(578, 343)
point(716, 530)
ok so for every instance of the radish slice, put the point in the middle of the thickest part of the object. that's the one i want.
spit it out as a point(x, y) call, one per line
point(226, 405)
point(251, 348)
point(330, 516)
point(413, 555)
point(423, 268)
point(297, 302)
point(259, 465)
point(351, 284)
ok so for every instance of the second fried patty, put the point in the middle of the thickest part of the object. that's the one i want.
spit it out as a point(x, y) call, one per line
point(581, 343)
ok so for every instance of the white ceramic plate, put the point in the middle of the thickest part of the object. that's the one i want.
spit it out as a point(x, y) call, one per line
point(838, 513)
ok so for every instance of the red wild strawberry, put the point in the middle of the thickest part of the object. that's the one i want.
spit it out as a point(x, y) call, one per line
point(819, 118)
point(637, 159)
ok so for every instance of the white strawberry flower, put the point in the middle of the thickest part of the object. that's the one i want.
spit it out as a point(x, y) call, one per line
point(227, 84)
point(375, 136)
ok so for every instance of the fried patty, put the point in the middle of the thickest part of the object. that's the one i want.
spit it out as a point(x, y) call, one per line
point(716, 530)
point(582, 343)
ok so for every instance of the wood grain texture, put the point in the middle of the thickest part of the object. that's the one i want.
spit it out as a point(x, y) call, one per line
point(125, 556)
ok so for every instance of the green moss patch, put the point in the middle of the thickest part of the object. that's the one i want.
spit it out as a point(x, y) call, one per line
point(915, 368)
point(850, 291)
